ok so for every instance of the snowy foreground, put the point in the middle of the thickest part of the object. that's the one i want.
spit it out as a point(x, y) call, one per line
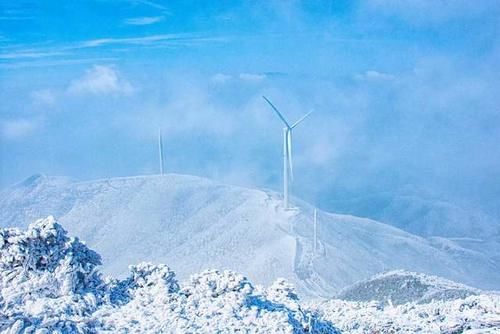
point(474, 314)
point(50, 283)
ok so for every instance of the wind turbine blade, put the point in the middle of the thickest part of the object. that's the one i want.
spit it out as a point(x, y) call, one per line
point(301, 119)
point(289, 152)
point(277, 112)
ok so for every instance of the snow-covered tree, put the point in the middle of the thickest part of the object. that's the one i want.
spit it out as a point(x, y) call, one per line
point(47, 280)
point(49, 283)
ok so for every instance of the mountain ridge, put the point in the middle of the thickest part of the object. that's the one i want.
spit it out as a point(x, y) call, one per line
point(193, 223)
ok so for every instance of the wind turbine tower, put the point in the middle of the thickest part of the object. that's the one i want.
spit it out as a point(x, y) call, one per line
point(315, 231)
point(160, 151)
point(287, 152)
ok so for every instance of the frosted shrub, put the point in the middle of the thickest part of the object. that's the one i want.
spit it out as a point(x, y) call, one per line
point(47, 280)
point(49, 284)
point(473, 314)
point(148, 274)
point(213, 283)
point(42, 247)
point(225, 302)
point(282, 291)
point(210, 302)
point(143, 276)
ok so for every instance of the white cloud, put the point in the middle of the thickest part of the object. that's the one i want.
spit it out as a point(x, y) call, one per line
point(185, 39)
point(220, 78)
point(43, 97)
point(374, 75)
point(144, 40)
point(152, 4)
point(23, 56)
point(252, 77)
point(142, 21)
point(17, 129)
point(30, 54)
point(55, 62)
point(100, 80)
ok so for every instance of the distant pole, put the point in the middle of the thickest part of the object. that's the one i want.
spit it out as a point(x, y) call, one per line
point(160, 151)
point(285, 167)
point(315, 231)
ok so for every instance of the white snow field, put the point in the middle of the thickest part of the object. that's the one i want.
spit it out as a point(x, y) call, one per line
point(51, 283)
point(193, 223)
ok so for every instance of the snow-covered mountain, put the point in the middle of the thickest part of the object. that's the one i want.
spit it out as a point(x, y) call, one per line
point(424, 215)
point(50, 282)
point(400, 287)
point(193, 223)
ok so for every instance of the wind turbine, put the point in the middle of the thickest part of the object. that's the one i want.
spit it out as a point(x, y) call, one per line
point(160, 151)
point(287, 151)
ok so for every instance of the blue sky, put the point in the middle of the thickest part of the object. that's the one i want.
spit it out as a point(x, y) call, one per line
point(405, 93)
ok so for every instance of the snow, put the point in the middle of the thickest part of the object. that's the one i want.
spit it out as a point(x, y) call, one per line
point(474, 314)
point(425, 216)
point(213, 302)
point(193, 223)
point(400, 286)
point(51, 283)
point(47, 280)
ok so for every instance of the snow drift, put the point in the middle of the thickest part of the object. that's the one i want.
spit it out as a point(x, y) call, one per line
point(50, 283)
point(193, 223)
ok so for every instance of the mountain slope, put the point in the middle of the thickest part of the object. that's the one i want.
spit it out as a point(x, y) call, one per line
point(400, 287)
point(424, 216)
point(192, 223)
